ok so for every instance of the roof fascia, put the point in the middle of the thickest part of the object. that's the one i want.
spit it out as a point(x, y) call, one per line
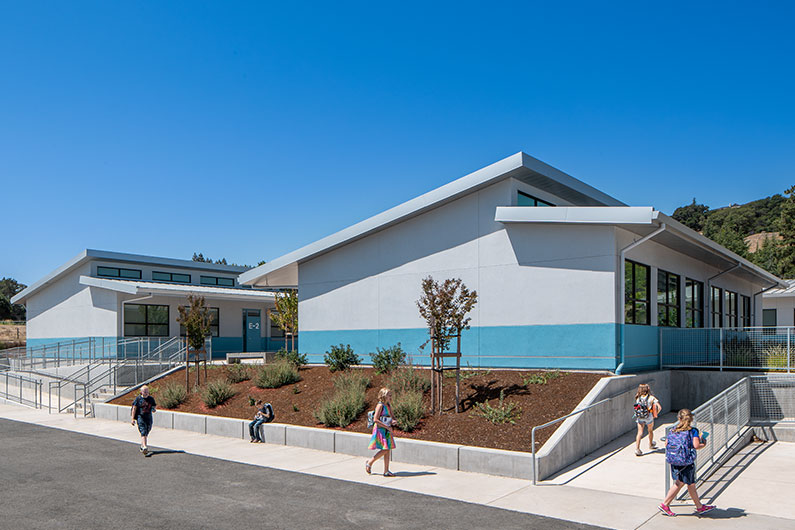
point(166, 262)
point(567, 180)
point(643, 215)
point(51, 277)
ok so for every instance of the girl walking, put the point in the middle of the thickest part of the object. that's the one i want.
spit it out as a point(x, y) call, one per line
point(680, 452)
point(646, 409)
point(382, 439)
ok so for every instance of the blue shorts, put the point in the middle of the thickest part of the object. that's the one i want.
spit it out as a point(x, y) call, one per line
point(686, 474)
point(144, 424)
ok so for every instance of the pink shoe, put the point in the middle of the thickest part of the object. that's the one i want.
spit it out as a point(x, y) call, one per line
point(666, 510)
point(704, 509)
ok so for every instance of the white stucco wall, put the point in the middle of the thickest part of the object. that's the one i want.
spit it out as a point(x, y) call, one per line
point(66, 309)
point(785, 309)
point(524, 274)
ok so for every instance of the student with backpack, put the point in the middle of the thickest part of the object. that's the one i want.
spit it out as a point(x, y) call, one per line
point(646, 409)
point(680, 452)
point(264, 415)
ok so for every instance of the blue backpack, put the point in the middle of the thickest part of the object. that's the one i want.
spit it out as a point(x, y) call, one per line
point(679, 448)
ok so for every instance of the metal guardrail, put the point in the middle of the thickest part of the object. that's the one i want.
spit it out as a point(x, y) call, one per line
point(19, 394)
point(562, 418)
point(757, 348)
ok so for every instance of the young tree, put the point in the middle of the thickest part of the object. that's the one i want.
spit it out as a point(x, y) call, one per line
point(285, 314)
point(444, 307)
point(196, 320)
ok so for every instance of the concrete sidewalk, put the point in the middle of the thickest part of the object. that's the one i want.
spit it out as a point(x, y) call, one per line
point(586, 501)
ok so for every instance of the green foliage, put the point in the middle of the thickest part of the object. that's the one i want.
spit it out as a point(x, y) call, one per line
point(407, 409)
point(341, 358)
point(296, 390)
point(9, 287)
point(739, 351)
point(196, 319)
point(295, 407)
point(251, 401)
point(285, 314)
point(347, 402)
point(468, 373)
point(172, 395)
point(502, 413)
point(237, 373)
point(277, 374)
point(692, 216)
point(388, 359)
point(409, 379)
point(444, 307)
point(540, 378)
point(776, 357)
point(216, 392)
point(297, 359)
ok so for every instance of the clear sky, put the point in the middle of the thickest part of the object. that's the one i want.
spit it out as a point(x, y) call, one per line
point(246, 130)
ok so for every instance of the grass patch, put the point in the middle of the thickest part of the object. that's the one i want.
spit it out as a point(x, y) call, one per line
point(541, 379)
point(216, 392)
point(347, 402)
point(502, 413)
point(277, 374)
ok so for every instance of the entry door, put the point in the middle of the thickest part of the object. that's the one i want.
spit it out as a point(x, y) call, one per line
point(251, 330)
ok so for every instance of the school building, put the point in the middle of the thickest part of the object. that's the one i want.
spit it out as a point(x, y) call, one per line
point(108, 295)
point(566, 275)
point(779, 306)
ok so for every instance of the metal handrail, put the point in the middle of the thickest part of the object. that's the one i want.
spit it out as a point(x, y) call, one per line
point(574, 413)
point(37, 392)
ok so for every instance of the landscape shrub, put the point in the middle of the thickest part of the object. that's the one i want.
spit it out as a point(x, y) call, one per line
point(739, 351)
point(388, 359)
point(277, 374)
point(407, 409)
point(341, 358)
point(342, 407)
point(408, 378)
point(172, 395)
point(216, 392)
point(351, 380)
point(237, 373)
point(502, 413)
point(776, 357)
point(540, 379)
point(297, 359)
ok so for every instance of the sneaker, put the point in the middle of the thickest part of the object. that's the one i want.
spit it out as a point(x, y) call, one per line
point(141, 448)
point(666, 510)
point(145, 451)
point(638, 452)
point(653, 446)
point(704, 509)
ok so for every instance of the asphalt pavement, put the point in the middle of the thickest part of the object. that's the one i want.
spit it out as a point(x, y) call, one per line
point(53, 478)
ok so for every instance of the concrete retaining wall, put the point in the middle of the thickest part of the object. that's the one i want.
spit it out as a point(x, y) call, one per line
point(694, 387)
point(586, 432)
point(474, 459)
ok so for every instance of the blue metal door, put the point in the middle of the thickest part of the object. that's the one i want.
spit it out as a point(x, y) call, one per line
point(251, 330)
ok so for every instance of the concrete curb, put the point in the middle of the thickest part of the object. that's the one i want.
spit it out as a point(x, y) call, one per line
point(513, 464)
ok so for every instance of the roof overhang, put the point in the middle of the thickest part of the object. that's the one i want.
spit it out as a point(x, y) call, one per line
point(121, 257)
point(787, 292)
point(283, 271)
point(641, 221)
point(160, 289)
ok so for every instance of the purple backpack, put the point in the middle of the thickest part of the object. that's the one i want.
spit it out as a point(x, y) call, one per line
point(679, 448)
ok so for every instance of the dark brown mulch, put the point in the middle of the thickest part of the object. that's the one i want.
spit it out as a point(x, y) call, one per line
point(539, 403)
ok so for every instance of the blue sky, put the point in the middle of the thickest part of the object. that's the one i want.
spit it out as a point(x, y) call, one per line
point(245, 130)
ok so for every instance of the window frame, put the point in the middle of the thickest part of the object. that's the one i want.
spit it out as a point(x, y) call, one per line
point(745, 305)
point(713, 313)
point(731, 317)
point(215, 280)
point(146, 323)
point(668, 305)
point(631, 302)
point(118, 274)
point(217, 324)
point(171, 277)
point(691, 311)
point(535, 200)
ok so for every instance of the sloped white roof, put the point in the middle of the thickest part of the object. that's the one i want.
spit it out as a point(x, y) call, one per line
point(782, 292)
point(168, 289)
point(283, 271)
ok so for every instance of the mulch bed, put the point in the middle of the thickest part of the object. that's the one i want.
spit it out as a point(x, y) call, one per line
point(539, 403)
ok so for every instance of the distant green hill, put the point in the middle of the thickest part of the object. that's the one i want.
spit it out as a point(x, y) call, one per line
point(730, 225)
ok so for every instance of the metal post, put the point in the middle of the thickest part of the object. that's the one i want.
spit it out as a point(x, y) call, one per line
point(721, 349)
point(726, 423)
point(535, 463)
point(789, 363)
point(58, 356)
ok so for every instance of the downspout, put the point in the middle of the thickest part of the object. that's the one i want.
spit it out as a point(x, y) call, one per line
point(147, 297)
point(620, 290)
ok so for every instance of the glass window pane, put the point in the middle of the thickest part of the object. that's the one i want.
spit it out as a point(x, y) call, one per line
point(641, 313)
point(213, 316)
point(158, 330)
point(641, 282)
point(673, 289)
point(208, 280)
point(134, 330)
point(182, 278)
point(157, 314)
point(661, 287)
point(135, 314)
point(525, 200)
point(108, 271)
point(228, 282)
point(769, 317)
point(161, 276)
point(130, 273)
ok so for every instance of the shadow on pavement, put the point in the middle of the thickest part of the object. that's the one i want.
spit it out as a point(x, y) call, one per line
point(413, 473)
point(164, 452)
point(720, 480)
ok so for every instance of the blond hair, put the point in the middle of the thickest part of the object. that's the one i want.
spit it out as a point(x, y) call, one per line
point(145, 387)
point(382, 394)
point(643, 390)
point(685, 418)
